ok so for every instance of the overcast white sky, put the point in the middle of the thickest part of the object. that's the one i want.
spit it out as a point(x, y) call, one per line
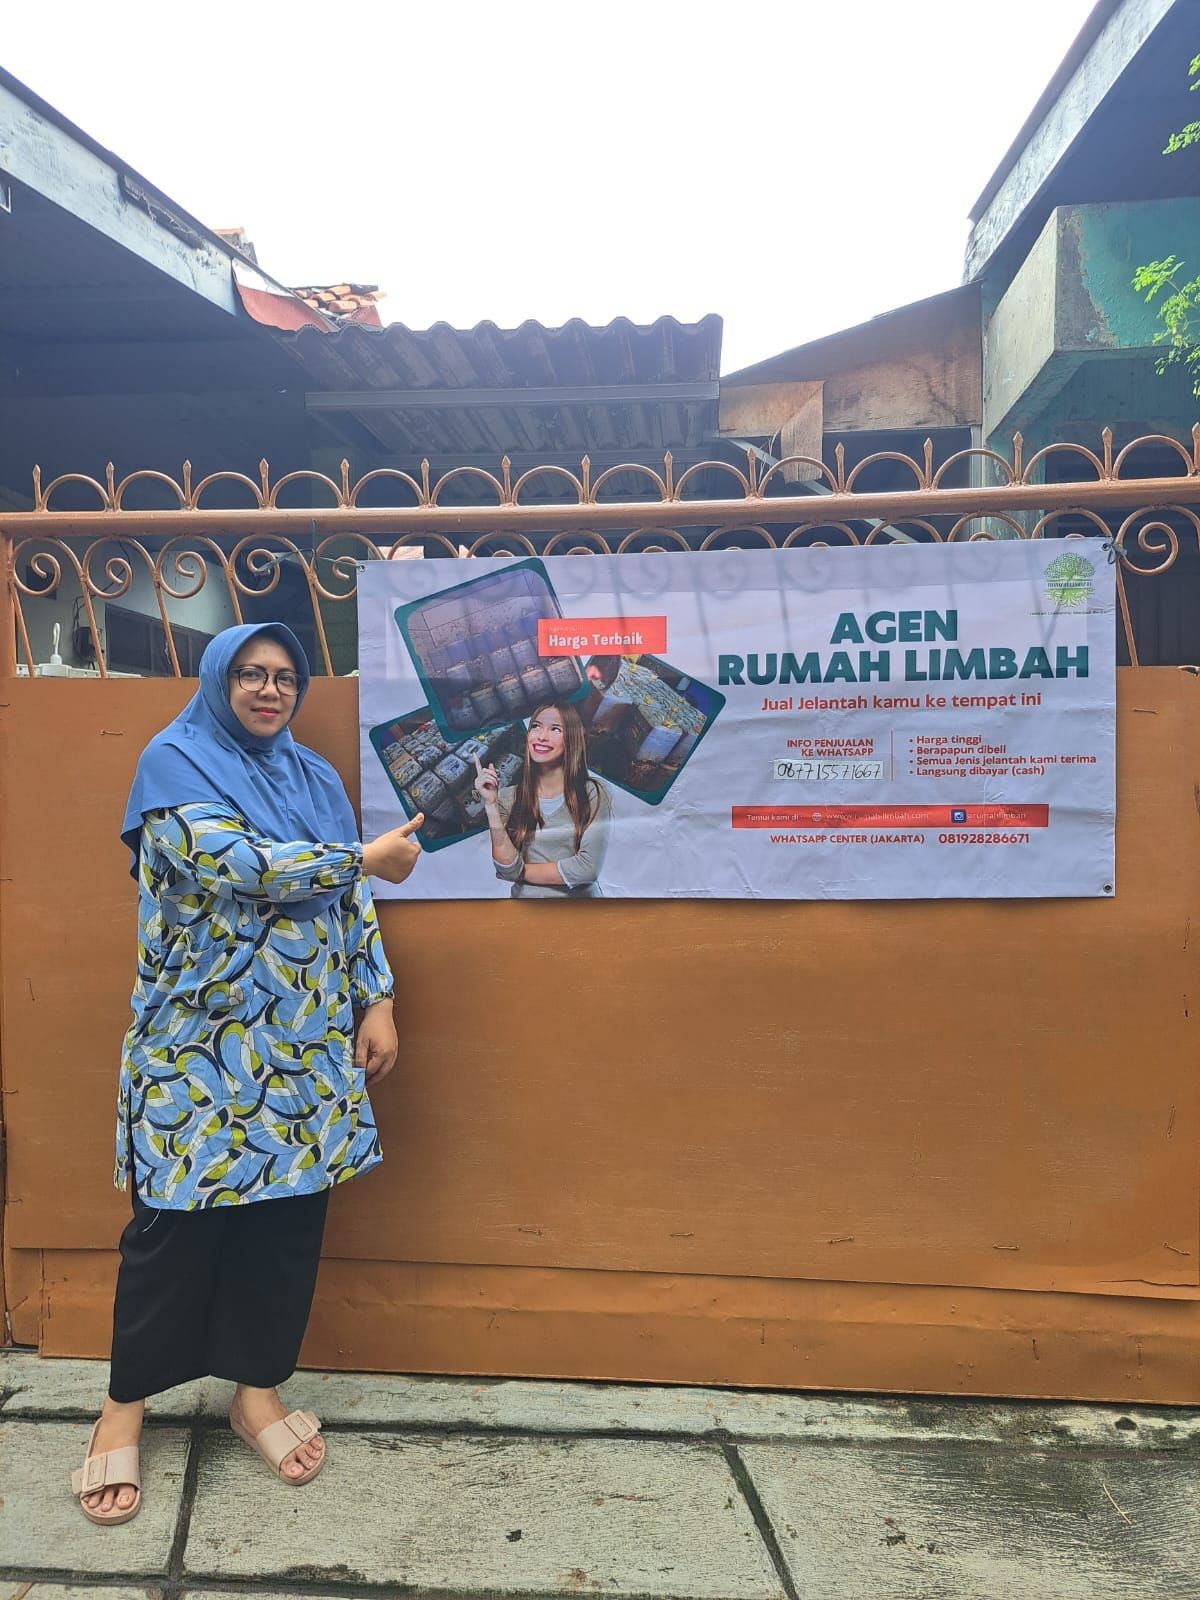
point(795, 165)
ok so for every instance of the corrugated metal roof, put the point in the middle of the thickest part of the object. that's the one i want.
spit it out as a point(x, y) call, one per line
point(532, 356)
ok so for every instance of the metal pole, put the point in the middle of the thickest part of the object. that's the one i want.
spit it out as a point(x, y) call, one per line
point(8, 610)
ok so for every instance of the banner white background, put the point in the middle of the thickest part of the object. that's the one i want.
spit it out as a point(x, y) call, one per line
point(896, 787)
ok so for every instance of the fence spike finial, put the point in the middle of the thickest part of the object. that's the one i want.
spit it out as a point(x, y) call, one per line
point(110, 479)
point(187, 485)
point(345, 494)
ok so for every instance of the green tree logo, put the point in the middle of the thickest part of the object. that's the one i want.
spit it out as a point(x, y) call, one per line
point(1069, 581)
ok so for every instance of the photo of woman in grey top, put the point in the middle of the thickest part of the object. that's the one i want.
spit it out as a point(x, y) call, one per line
point(549, 832)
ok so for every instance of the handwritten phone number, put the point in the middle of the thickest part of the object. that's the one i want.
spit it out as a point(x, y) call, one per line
point(830, 771)
point(983, 838)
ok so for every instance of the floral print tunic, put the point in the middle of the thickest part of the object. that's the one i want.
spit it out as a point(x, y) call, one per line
point(238, 1080)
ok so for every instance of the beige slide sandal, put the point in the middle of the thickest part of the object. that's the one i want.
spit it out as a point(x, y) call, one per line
point(110, 1469)
point(279, 1440)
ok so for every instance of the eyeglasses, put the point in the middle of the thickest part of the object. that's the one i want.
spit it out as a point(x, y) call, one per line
point(286, 682)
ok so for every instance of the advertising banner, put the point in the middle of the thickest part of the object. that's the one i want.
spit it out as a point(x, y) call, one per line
point(902, 721)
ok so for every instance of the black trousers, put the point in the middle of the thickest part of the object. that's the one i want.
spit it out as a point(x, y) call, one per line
point(222, 1293)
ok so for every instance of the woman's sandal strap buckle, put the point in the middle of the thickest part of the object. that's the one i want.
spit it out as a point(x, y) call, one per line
point(281, 1439)
point(109, 1467)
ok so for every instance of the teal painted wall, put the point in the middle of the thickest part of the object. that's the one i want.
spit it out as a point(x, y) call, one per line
point(1101, 247)
point(1071, 346)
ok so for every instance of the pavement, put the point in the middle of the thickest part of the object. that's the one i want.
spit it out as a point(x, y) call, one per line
point(451, 1487)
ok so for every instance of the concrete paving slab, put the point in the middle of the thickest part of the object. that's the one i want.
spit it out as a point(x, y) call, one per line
point(371, 1400)
point(41, 1525)
point(981, 1524)
point(73, 1591)
point(261, 1594)
point(31, 1386)
point(485, 1515)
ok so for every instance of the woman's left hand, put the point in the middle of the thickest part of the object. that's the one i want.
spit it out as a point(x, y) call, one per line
point(376, 1044)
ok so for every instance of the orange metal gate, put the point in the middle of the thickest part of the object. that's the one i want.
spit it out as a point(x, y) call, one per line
point(902, 1146)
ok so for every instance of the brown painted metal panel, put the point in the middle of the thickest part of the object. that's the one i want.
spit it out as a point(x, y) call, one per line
point(994, 1095)
point(23, 1291)
point(392, 1316)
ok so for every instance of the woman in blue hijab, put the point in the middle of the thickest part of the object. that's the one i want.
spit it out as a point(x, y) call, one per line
point(262, 1010)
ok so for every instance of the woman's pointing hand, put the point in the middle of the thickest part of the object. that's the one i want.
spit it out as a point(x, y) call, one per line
point(394, 854)
point(487, 784)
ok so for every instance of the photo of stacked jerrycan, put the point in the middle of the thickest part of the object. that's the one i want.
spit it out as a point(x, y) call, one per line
point(475, 649)
point(437, 776)
point(643, 719)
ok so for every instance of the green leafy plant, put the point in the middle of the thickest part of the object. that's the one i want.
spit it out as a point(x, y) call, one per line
point(1178, 311)
point(1179, 305)
point(1191, 133)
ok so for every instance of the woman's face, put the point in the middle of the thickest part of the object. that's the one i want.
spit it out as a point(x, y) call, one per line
point(267, 709)
point(545, 742)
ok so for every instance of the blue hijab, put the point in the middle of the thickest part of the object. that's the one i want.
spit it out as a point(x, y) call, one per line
point(284, 790)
